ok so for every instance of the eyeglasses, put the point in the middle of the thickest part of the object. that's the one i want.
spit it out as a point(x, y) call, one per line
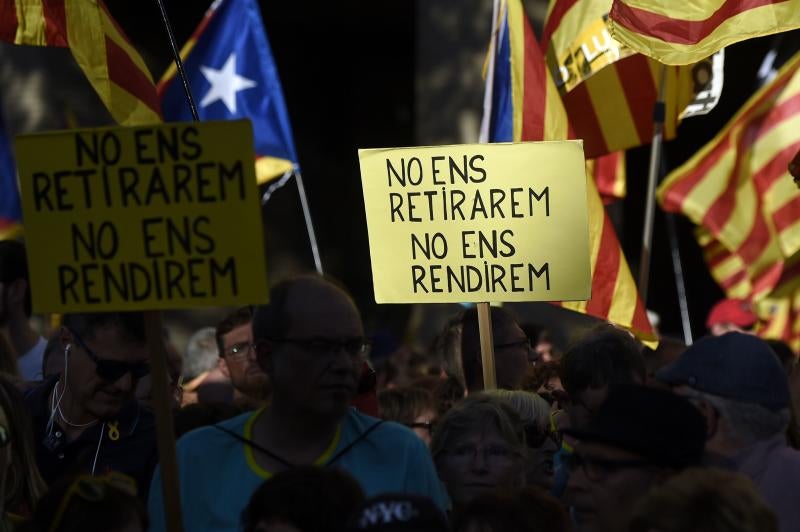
point(598, 469)
point(93, 490)
point(239, 351)
point(524, 342)
point(356, 347)
point(493, 455)
point(112, 370)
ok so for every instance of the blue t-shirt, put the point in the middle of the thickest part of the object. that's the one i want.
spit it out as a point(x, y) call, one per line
point(218, 473)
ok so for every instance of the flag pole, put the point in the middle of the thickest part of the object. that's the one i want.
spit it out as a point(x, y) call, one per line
point(650, 199)
point(680, 285)
point(312, 237)
point(178, 62)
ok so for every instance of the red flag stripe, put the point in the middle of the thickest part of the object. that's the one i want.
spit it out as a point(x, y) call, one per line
point(126, 74)
point(584, 120)
point(720, 211)
point(640, 320)
point(640, 94)
point(554, 20)
point(680, 31)
point(8, 21)
point(55, 20)
point(534, 95)
point(606, 269)
point(787, 215)
point(733, 280)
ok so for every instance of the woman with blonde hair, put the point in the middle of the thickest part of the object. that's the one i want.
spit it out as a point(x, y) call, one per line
point(21, 485)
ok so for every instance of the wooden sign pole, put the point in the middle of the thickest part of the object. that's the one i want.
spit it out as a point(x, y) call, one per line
point(165, 432)
point(487, 346)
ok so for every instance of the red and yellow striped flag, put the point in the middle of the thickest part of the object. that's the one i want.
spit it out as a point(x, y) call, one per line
point(526, 107)
point(739, 190)
point(609, 175)
point(608, 90)
point(101, 49)
point(678, 32)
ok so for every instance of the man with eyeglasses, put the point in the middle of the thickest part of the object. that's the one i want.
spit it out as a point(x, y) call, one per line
point(637, 438)
point(310, 342)
point(238, 356)
point(513, 352)
point(86, 419)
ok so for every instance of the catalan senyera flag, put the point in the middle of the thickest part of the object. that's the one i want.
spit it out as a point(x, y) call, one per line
point(738, 188)
point(609, 174)
point(609, 91)
point(231, 71)
point(101, 49)
point(678, 32)
point(526, 107)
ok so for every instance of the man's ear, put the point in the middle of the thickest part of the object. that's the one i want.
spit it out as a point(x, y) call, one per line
point(65, 338)
point(711, 416)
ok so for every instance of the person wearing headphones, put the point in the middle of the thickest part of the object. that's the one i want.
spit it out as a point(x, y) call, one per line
point(86, 419)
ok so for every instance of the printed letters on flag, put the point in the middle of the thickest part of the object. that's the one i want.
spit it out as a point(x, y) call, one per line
point(526, 107)
point(101, 49)
point(683, 32)
point(232, 75)
point(608, 90)
point(738, 189)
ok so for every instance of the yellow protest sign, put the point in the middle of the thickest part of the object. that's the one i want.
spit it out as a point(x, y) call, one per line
point(478, 222)
point(142, 218)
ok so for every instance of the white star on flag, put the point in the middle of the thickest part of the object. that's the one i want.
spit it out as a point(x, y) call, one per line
point(225, 83)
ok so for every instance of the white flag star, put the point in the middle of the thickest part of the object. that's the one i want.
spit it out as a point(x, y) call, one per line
point(225, 83)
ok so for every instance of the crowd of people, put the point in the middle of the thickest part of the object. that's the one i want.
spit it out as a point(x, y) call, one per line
point(287, 422)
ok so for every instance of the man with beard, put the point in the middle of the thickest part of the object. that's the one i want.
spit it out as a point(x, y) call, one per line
point(310, 342)
point(86, 419)
point(15, 310)
point(238, 358)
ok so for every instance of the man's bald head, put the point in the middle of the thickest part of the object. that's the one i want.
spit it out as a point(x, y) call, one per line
point(303, 298)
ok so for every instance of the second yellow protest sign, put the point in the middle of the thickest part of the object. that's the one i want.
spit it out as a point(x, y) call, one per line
point(156, 217)
point(481, 222)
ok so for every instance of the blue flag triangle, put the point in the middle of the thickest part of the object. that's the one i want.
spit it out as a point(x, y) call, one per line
point(232, 75)
point(10, 208)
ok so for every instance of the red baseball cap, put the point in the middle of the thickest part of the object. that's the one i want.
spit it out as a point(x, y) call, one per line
point(735, 311)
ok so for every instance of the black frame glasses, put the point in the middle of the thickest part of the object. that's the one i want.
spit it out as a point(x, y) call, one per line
point(112, 370)
point(239, 351)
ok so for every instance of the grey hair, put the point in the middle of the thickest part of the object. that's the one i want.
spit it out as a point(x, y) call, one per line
point(748, 423)
point(477, 413)
point(532, 409)
point(202, 353)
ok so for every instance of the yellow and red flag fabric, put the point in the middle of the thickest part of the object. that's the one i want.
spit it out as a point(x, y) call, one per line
point(526, 107)
point(678, 32)
point(609, 91)
point(738, 188)
point(100, 47)
point(609, 174)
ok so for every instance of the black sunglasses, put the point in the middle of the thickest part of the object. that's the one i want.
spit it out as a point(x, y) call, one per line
point(112, 370)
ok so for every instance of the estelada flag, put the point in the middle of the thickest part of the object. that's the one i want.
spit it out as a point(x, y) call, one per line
point(609, 91)
point(229, 65)
point(101, 49)
point(525, 106)
point(10, 207)
point(738, 186)
point(679, 32)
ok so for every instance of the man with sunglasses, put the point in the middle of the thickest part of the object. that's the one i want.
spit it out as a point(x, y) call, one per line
point(637, 438)
point(310, 342)
point(86, 419)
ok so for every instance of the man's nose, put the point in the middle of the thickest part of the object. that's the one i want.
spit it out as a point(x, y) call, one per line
point(479, 463)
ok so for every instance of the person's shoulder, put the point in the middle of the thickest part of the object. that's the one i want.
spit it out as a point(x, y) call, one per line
point(388, 432)
point(212, 436)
